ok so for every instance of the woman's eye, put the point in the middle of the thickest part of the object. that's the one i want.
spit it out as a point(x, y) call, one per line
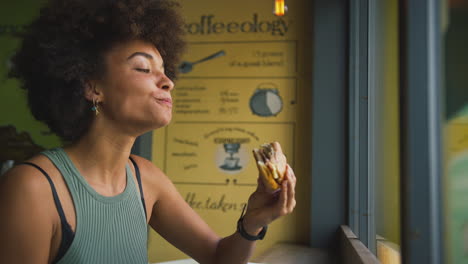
point(143, 70)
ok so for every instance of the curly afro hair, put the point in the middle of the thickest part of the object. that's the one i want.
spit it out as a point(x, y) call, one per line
point(64, 48)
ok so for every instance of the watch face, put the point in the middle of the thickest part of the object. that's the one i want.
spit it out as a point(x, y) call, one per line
point(266, 102)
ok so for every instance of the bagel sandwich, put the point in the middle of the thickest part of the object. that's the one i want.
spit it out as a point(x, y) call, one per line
point(271, 164)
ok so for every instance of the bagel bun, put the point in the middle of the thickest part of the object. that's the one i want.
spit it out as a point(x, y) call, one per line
point(271, 164)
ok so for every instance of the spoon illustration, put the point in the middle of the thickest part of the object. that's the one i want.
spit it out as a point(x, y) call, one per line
point(186, 66)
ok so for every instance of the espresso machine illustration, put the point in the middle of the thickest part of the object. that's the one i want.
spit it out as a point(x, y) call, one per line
point(231, 163)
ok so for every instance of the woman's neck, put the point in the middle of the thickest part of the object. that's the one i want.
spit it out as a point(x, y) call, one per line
point(101, 155)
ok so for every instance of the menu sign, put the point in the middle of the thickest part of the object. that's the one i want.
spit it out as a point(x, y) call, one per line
point(219, 153)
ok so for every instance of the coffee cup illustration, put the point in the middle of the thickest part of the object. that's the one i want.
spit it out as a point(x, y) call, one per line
point(231, 163)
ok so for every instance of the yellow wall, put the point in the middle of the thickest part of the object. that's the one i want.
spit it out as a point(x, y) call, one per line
point(265, 63)
point(388, 164)
point(388, 252)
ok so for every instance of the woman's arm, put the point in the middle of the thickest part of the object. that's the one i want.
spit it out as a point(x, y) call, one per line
point(263, 208)
point(176, 221)
point(180, 225)
point(26, 222)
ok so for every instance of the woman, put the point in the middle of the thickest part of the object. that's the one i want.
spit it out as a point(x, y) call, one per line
point(99, 74)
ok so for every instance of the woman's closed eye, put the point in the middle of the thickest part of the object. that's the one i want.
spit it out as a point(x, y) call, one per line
point(143, 70)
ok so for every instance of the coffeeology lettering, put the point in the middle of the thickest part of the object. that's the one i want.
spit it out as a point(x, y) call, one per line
point(209, 25)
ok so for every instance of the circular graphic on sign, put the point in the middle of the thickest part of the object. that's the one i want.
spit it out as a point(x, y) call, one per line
point(266, 102)
point(231, 158)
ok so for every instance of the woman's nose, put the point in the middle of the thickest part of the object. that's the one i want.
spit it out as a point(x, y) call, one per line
point(165, 83)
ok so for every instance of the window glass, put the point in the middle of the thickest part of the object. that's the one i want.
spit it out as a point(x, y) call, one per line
point(456, 131)
point(385, 125)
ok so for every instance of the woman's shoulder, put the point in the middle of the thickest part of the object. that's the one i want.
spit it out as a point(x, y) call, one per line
point(28, 213)
point(149, 172)
point(26, 177)
point(155, 183)
point(26, 186)
point(145, 165)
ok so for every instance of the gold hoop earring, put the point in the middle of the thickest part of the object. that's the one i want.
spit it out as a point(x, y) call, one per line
point(95, 107)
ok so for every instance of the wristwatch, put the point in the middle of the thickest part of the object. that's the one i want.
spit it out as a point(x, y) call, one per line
point(244, 234)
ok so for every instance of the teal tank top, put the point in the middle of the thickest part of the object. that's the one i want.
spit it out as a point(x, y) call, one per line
point(108, 229)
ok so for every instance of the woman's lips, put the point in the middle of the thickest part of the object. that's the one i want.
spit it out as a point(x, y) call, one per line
point(165, 101)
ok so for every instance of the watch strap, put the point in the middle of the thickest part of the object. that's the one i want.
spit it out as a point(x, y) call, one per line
point(244, 234)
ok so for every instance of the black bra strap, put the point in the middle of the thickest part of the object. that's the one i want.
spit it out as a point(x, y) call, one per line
point(137, 172)
point(54, 191)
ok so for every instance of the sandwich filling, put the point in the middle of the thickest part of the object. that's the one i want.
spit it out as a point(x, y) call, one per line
point(267, 163)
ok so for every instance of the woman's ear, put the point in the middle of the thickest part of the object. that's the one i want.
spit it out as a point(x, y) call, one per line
point(92, 92)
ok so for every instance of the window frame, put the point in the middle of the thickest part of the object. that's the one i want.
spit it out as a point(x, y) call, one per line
point(362, 80)
point(420, 126)
point(421, 157)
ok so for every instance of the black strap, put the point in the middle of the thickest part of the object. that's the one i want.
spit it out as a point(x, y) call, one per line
point(137, 172)
point(54, 191)
point(244, 234)
point(67, 233)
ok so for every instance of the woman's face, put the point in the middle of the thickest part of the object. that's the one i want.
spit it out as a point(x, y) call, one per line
point(136, 94)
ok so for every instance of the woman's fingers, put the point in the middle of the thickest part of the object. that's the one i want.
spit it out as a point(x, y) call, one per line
point(261, 187)
point(277, 146)
point(282, 200)
point(287, 201)
point(290, 173)
point(279, 203)
point(291, 197)
point(291, 182)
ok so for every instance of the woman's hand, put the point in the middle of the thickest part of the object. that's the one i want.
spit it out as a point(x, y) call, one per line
point(264, 206)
